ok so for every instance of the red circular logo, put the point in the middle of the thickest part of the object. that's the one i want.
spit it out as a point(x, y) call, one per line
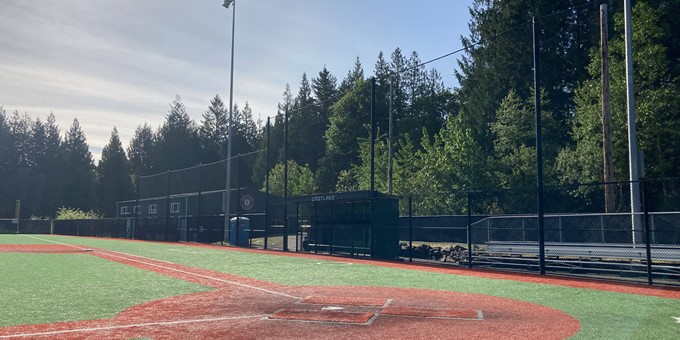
point(247, 202)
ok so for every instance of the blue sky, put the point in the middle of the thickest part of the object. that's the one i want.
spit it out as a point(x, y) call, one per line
point(121, 62)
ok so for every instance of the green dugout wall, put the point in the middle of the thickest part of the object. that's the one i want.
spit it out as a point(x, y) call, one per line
point(354, 223)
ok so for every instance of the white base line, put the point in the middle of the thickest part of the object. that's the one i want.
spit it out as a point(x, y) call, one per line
point(106, 328)
point(108, 252)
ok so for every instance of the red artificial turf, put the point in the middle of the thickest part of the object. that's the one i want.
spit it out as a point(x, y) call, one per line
point(322, 316)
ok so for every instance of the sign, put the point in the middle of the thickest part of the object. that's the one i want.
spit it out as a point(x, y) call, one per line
point(247, 202)
point(323, 198)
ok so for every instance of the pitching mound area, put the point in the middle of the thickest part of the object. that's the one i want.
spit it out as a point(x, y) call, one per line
point(241, 308)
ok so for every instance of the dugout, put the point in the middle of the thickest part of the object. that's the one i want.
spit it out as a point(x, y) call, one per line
point(353, 223)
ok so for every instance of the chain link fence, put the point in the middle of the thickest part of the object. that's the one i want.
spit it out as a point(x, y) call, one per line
point(592, 230)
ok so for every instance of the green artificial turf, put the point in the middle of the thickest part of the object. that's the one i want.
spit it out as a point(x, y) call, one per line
point(21, 239)
point(603, 315)
point(44, 288)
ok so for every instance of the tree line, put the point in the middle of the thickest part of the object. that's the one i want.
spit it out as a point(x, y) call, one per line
point(478, 135)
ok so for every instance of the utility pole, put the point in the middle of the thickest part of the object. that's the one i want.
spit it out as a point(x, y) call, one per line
point(266, 196)
point(609, 190)
point(389, 141)
point(539, 149)
point(633, 156)
point(285, 179)
point(372, 135)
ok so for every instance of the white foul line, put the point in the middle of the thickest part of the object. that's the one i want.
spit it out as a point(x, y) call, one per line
point(108, 252)
point(106, 328)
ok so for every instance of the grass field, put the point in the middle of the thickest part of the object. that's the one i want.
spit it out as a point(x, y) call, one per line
point(39, 288)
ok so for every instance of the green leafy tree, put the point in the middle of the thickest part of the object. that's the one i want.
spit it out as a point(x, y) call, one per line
point(300, 180)
point(76, 214)
point(657, 94)
point(499, 57)
point(113, 176)
point(452, 162)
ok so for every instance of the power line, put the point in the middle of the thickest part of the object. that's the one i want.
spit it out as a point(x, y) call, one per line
point(449, 54)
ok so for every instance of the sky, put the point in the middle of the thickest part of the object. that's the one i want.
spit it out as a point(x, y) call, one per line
point(122, 62)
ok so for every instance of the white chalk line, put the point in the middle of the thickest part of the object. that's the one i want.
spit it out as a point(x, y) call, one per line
point(148, 324)
point(108, 252)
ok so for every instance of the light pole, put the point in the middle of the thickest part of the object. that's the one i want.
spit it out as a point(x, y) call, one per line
point(227, 191)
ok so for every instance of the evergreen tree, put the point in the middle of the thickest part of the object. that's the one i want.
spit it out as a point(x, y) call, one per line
point(325, 95)
point(22, 185)
point(657, 94)
point(246, 136)
point(37, 179)
point(6, 165)
point(141, 151)
point(286, 105)
point(51, 165)
point(382, 74)
point(20, 131)
point(353, 76)
point(212, 133)
point(79, 174)
point(348, 122)
point(245, 140)
point(113, 176)
point(305, 138)
point(177, 141)
point(499, 57)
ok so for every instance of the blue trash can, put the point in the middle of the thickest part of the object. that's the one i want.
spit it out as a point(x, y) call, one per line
point(239, 231)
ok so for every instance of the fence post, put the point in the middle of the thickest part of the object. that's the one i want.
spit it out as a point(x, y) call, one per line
point(167, 203)
point(648, 245)
point(559, 223)
point(469, 230)
point(410, 228)
point(266, 196)
point(602, 228)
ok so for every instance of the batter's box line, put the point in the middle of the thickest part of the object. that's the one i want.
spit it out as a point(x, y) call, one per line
point(125, 326)
point(377, 314)
point(345, 301)
point(479, 315)
point(272, 317)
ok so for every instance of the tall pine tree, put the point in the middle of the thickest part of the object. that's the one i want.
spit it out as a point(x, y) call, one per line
point(177, 140)
point(79, 171)
point(114, 181)
point(212, 133)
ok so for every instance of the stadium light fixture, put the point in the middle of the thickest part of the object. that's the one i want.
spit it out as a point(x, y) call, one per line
point(227, 190)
